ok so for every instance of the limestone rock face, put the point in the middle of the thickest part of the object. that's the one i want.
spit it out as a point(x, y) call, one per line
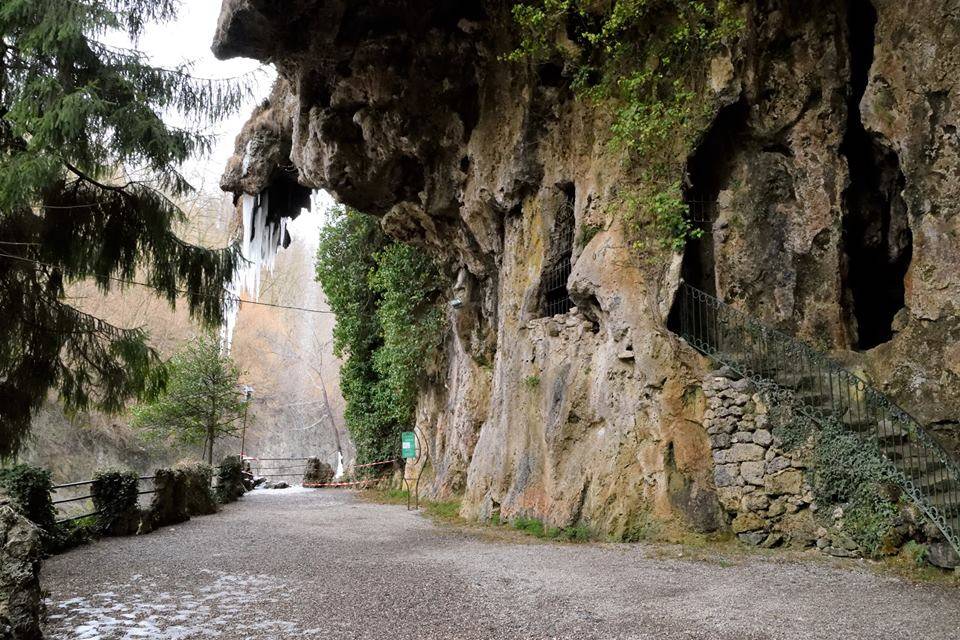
point(824, 180)
point(20, 596)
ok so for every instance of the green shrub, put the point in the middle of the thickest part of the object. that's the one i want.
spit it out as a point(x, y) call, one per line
point(587, 233)
point(848, 470)
point(169, 503)
point(115, 497)
point(916, 552)
point(536, 528)
point(199, 490)
point(531, 526)
point(446, 510)
point(74, 533)
point(30, 489)
point(531, 382)
point(230, 480)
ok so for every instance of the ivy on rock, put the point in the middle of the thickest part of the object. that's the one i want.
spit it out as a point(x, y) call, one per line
point(390, 323)
point(642, 60)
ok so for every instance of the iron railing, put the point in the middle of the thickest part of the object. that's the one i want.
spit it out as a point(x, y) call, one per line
point(824, 391)
point(89, 496)
point(556, 298)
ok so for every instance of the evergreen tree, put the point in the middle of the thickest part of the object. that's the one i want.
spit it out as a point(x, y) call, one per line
point(75, 113)
point(202, 401)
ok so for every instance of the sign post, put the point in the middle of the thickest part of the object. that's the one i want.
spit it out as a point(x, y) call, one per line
point(410, 450)
point(408, 445)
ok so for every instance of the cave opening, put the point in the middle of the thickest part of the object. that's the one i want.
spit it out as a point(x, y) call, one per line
point(708, 172)
point(558, 264)
point(877, 240)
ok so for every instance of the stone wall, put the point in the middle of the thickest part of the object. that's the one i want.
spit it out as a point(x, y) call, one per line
point(766, 492)
point(20, 597)
point(762, 488)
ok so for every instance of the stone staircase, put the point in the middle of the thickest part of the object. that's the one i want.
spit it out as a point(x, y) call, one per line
point(824, 391)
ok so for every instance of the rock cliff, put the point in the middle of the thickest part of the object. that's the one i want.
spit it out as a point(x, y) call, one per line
point(825, 186)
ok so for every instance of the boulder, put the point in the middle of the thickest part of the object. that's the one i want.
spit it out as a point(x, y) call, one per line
point(788, 482)
point(20, 556)
point(941, 554)
point(317, 472)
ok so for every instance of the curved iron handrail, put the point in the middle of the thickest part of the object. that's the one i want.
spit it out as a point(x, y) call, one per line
point(823, 390)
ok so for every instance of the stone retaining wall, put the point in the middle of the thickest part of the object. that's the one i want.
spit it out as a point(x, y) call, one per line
point(761, 487)
point(765, 490)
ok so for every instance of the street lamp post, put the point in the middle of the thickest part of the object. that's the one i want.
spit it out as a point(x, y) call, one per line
point(248, 392)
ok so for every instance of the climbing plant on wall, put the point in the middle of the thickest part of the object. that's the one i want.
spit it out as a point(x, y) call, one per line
point(386, 296)
point(643, 60)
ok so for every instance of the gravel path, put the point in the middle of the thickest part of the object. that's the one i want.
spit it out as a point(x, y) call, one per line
point(323, 564)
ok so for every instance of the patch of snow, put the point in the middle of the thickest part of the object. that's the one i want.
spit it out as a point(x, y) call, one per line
point(215, 610)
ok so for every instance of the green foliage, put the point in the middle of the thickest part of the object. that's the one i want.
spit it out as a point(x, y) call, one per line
point(530, 526)
point(642, 60)
point(68, 535)
point(115, 494)
point(390, 323)
point(202, 401)
point(851, 472)
point(848, 471)
point(230, 480)
point(916, 552)
point(446, 510)
point(76, 117)
point(537, 529)
point(587, 233)
point(30, 489)
point(198, 478)
point(531, 382)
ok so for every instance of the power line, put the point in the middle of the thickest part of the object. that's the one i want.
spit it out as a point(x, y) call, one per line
point(182, 291)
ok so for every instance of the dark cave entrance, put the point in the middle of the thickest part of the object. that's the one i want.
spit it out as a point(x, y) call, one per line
point(709, 169)
point(878, 244)
point(557, 266)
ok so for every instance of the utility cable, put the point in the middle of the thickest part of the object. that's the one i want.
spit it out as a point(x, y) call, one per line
point(181, 291)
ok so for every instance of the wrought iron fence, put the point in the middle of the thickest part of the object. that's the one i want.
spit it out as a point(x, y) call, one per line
point(823, 390)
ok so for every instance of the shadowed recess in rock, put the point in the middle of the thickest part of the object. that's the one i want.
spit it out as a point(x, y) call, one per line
point(709, 169)
point(877, 236)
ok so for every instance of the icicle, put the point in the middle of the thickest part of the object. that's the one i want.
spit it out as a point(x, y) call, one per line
point(259, 246)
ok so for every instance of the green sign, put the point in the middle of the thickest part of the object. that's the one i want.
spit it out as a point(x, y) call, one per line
point(408, 444)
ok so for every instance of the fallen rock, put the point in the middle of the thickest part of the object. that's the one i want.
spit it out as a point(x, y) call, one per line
point(941, 554)
point(317, 472)
point(280, 485)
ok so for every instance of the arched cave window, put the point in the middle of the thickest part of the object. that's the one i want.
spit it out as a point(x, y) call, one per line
point(553, 280)
point(709, 169)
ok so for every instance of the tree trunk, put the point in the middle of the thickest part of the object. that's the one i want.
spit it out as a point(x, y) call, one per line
point(210, 450)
